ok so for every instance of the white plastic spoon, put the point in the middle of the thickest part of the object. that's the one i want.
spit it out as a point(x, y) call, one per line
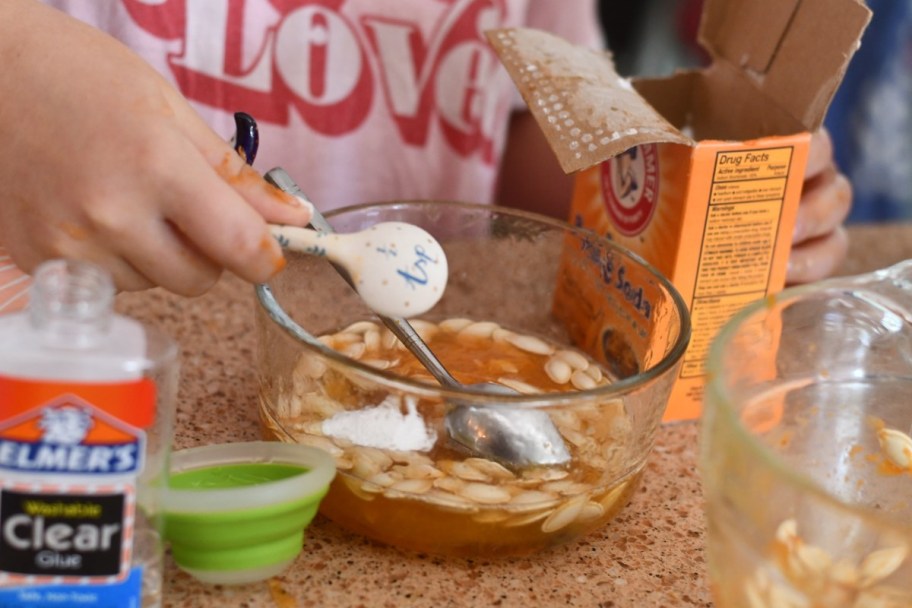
point(398, 269)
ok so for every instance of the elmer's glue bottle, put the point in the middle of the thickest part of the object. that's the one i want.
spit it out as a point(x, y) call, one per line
point(86, 408)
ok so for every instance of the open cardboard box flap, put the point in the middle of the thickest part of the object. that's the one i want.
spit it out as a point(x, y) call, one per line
point(777, 65)
point(794, 51)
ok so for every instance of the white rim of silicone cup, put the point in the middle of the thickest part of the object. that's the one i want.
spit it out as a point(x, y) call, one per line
point(239, 577)
point(322, 469)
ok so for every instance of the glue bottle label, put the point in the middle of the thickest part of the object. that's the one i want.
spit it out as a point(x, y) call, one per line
point(70, 457)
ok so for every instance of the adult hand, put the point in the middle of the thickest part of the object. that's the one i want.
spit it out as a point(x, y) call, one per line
point(820, 242)
point(102, 160)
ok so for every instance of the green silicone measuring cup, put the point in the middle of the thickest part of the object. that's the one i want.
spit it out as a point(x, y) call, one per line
point(236, 513)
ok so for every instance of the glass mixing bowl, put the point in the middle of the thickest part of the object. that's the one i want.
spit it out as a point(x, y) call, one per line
point(805, 456)
point(582, 329)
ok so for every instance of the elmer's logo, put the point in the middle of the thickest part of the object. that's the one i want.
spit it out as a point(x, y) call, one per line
point(69, 435)
point(630, 188)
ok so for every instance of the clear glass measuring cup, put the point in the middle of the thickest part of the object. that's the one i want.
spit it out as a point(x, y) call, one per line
point(805, 455)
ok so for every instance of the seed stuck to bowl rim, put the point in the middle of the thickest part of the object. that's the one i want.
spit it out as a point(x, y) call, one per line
point(896, 446)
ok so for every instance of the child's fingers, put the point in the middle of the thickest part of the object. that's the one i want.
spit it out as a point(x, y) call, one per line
point(817, 258)
point(222, 225)
point(165, 257)
point(825, 204)
point(820, 153)
point(271, 203)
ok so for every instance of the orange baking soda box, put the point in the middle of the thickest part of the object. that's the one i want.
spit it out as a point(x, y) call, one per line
point(85, 413)
point(701, 172)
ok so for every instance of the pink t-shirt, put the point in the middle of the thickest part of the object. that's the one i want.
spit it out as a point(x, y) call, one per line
point(358, 100)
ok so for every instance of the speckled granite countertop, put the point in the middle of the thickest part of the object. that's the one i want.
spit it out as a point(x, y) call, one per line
point(651, 555)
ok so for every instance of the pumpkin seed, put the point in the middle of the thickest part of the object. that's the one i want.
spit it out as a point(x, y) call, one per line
point(814, 560)
point(353, 350)
point(410, 486)
point(566, 487)
point(450, 502)
point(502, 335)
point(595, 372)
point(418, 471)
point(310, 367)
point(527, 518)
point(897, 446)
point(388, 340)
point(590, 512)
point(565, 514)
point(481, 329)
point(356, 487)
point(545, 474)
point(484, 493)
point(343, 339)
point(612, 496)
point(360, 327)
point(372, 339)
point(383, 480)
point(425, 329)
point(321, 443)
point(493, 469)
point(454, 325)
point(377, 363)
point(464, 470)
point(880, 564)
point(582, 381)
point(532, 499)
point(450, 484)
point(530, 344)
point(401, 457)
point(558, 370)
point(572, 358)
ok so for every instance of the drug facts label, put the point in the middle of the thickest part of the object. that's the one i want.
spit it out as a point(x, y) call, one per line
point(741, 229)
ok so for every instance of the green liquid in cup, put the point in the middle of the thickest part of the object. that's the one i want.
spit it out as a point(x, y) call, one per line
point(234, 475)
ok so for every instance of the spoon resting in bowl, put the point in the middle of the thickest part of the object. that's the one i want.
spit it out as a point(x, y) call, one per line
point(398, 269)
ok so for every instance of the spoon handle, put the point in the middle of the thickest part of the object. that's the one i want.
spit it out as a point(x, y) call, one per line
point(305, 240)
point(400, 327)
point(403, 330)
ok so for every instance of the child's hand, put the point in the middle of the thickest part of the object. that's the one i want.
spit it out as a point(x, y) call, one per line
point(102, 160)
point(820, 243)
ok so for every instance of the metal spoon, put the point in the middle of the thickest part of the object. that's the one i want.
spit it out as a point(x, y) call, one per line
point(515, 437)
point(398, 269)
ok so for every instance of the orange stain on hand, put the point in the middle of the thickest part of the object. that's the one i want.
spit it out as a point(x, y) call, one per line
point(282, 196)
point(246, 176)
point(278, 262)
point(74, 231)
